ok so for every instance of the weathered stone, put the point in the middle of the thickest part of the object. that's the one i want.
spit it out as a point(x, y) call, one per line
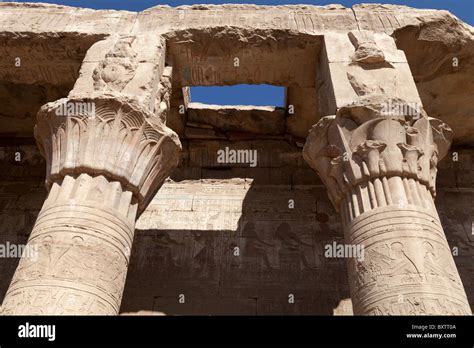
point(361, 85)
point(381, 190)
point(105, 161)
point(301, 104)
point(240, 55)
point(177, 116)
point(380, 169)
point(253, 119)
point(202, 133)
point(440, 53)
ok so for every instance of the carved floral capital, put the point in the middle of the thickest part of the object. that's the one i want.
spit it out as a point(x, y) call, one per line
point(108, 136)
point(375, 146)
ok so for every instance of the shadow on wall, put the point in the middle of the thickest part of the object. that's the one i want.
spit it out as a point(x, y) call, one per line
point(22, 194)
point(280, 249)
point(283, 242)
point(272, 264)
point(458, 226)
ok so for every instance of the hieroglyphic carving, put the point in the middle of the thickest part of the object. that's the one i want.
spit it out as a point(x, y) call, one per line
point(305, 19)
point(380, 173)
point(378, 163)
point(117, 70)
point(104, 165)
point(204, 61)
point(405, 251)
point(83, 246)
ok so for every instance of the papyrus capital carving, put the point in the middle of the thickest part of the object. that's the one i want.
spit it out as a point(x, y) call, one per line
point(380, 173)
point(350, 149)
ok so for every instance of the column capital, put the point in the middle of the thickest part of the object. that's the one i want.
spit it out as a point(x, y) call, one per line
point(364, 141)
point(377, 155)
point(107, 136)
point(113, 121)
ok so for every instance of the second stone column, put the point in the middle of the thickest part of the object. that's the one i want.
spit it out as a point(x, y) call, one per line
point(380, 176)
point(377, 155)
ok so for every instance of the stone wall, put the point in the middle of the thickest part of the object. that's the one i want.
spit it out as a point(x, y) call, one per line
point(186, 240)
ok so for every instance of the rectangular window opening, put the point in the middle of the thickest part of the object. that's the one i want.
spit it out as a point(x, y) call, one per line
point(242, 94)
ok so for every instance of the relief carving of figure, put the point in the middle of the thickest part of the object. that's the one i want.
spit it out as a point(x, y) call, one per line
point(118, 67)
point(255, 246)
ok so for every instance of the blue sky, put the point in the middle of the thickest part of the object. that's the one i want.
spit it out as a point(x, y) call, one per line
point(261, 94)
point(464, 9)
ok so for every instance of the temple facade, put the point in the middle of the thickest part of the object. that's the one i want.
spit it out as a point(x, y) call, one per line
point(355, 197)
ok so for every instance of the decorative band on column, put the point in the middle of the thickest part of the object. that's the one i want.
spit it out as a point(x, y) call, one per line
point(380, 172)
point(407, 267)
point(107, 151)
point(104, 164)
point(383, 192)
point(83, 237)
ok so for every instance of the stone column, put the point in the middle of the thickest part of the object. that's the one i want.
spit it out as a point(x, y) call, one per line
point(107, 152)
point(377, 157)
